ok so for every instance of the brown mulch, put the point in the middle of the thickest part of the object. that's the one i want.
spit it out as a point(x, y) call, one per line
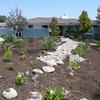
point(84, 84)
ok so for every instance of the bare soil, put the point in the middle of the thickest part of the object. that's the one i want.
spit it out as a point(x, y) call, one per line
point(84, 84)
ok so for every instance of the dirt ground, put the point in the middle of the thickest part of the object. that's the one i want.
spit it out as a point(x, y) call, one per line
point(84, 84)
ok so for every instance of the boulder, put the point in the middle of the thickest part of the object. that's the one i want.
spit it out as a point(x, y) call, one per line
point(37, 71)
point(35, 96)
point(10, 93)
point(48, 69)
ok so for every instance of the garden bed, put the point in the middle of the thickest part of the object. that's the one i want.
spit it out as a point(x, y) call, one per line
point(85, 83)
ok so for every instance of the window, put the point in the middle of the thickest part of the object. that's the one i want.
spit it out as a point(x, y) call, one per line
point(44, 26)
point(31, 26)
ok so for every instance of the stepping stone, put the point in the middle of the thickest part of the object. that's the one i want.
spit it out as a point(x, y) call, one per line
point(10, 93)
point(48, 69)
point(35, 96)
point(38, 71)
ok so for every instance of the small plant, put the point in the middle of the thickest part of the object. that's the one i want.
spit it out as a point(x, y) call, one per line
point(23, 53)
point(21, 79)
point(73, 65)
point(34, 65)
point(9, 38)
point(8, 55)
point(19, 42)
point(10, 66)
point(54, 94)
point(82, 48)
point(48, 44)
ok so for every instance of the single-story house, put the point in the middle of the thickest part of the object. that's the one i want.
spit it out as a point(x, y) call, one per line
point(40, 27)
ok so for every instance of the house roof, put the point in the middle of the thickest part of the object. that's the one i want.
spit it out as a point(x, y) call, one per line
point(48, 21)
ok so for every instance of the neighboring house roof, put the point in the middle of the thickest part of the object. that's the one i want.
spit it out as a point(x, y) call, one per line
point(47, 21)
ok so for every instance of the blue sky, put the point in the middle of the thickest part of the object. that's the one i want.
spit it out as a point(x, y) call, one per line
point(50, 8)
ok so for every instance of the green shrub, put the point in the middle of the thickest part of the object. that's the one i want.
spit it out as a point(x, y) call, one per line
point(8, 55)
point(73, 65)
point(9, 38)
point(19, 42)
point(34, 65)
point(23, 53)
point(48, 44)
point(98, 45)
point(21, 79)
point(82, 48)
point(54, 94)
point(10, 66)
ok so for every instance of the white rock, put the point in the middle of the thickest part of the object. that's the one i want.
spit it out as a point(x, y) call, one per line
point(35, 96)
point(71, 73)
point(51, 63)
point(48, 69)
point(84, 99)
point(58, 56)
point(27, 72)
point(38, 71)
point(10, 93)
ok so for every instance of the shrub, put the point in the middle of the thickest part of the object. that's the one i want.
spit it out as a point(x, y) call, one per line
point(10, 66)
point(19, 42)
point(82, 48)
point(21, 79)
point(34, 65)
point(8, 55)
point(73, 65)
point(54, 94)
point(48, 44)
point(9, 38)
point(23, 53)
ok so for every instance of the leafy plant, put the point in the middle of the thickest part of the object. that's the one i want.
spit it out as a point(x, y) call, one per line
point(8, 55)
point(82, 48)
point(48, 44)
point(74, 65)
point(9, 38)
point(19, 42)
point(34, 64)
point(21, 79)
point(10, 66)
point(53, 94)
point(23, 53)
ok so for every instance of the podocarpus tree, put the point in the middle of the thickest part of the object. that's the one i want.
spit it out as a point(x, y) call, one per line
point(54, 28)
point(16, 21)
point(85, 23)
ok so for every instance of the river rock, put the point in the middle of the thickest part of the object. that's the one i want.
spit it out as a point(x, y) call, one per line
point(38, 71)
point(10, 93)
point(48, 69)
point(35, 96)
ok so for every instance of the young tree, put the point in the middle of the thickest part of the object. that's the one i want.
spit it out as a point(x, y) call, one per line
point(2, 18)
point(85, 23)
point(54, 29)
point(16, 21)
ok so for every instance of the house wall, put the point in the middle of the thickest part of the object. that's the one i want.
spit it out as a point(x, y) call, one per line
point(35, 33)
point(96, 32)
point(5, 31)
